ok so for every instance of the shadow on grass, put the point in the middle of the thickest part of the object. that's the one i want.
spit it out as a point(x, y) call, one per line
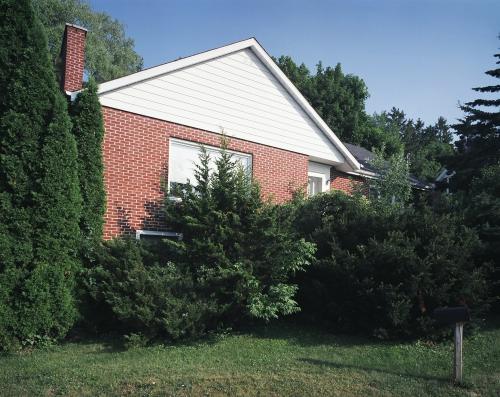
point(115, 343)
point(295, 334)
point(337, 365)
point(107, 343)
point(308, 336)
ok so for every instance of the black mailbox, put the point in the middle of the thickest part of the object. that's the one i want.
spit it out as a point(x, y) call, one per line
point(451, 315)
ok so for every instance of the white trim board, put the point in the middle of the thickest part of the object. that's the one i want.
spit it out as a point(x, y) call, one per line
point(350, 164)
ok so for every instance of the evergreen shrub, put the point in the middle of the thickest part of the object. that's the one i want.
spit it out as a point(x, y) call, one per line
point(136, 290)
point(232, 265)
point(88, 130)
point(482, 212)
point(39, 194)
point(384, 272)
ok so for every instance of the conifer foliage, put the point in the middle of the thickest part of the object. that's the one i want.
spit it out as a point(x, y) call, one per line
point(88, 129)
point(240, 250)
point(232, 264)
point(479, 130)
point(39, 194)
point(384, 272)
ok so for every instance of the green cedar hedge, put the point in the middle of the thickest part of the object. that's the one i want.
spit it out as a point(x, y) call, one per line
point(39, 194)
point(88, 130)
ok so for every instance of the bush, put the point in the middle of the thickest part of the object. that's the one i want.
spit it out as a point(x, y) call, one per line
point(137, 291)
point(384, 272)
point(232, 265)
point(482, 211)
point(240, 250)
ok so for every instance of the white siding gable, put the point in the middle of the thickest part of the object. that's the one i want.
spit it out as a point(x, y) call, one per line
point(236, 93)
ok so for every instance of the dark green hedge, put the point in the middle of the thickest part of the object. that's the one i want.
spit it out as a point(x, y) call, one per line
point(384, 272)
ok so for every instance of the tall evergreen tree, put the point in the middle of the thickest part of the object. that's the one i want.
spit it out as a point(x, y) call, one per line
point(88, 129)
point(479, 131)
point(482, 210)
point(39, 194)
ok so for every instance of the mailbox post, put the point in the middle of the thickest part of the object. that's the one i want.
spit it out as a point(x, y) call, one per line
point(455, 315)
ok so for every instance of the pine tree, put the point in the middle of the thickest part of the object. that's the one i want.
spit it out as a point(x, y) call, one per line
point(39, 194)
point(88, 129)
point(479, 131)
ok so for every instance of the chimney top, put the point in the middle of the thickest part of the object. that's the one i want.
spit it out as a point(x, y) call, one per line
point(75, 26)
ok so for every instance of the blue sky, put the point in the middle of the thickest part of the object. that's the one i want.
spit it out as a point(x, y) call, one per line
point(421, 56)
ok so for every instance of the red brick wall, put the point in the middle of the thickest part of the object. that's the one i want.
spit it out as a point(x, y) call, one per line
point(342, 181)
point(136, 157)
point(73, 55)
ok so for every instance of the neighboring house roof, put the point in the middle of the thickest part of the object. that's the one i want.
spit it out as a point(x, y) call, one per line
point(366, 157)
point(147, 92)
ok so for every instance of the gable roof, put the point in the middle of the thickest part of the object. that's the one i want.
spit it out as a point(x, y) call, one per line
point(262, 55)
point(365, 159)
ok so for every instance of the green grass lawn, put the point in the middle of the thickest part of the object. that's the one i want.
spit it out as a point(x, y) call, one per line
point(273, 361)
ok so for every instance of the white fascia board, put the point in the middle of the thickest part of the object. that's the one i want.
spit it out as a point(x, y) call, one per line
point(72, 94)
point(259, 51)
point(174, 65)
point(373, 175)
point(364, 174)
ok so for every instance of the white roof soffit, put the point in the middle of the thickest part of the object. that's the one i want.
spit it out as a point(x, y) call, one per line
point(254, 45)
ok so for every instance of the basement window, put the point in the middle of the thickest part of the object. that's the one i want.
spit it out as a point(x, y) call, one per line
point(184, 156)
point(153, 235)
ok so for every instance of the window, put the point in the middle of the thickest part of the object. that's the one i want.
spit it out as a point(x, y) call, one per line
point(318, 178)
point(152, 238)
point(315, 185)
point(153, 235)
point(184, 156)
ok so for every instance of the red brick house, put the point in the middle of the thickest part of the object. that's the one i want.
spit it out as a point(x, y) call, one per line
point(156, 119)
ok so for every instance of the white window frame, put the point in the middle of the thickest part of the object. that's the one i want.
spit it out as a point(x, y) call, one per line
point(198, 146)
point(318, 175)
point(139, 233)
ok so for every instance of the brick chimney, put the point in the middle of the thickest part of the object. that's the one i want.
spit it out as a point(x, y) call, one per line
point(72, 58)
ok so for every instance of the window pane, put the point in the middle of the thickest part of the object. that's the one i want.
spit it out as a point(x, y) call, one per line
point(185, 155)
point(314, 185)
point(182, 162)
